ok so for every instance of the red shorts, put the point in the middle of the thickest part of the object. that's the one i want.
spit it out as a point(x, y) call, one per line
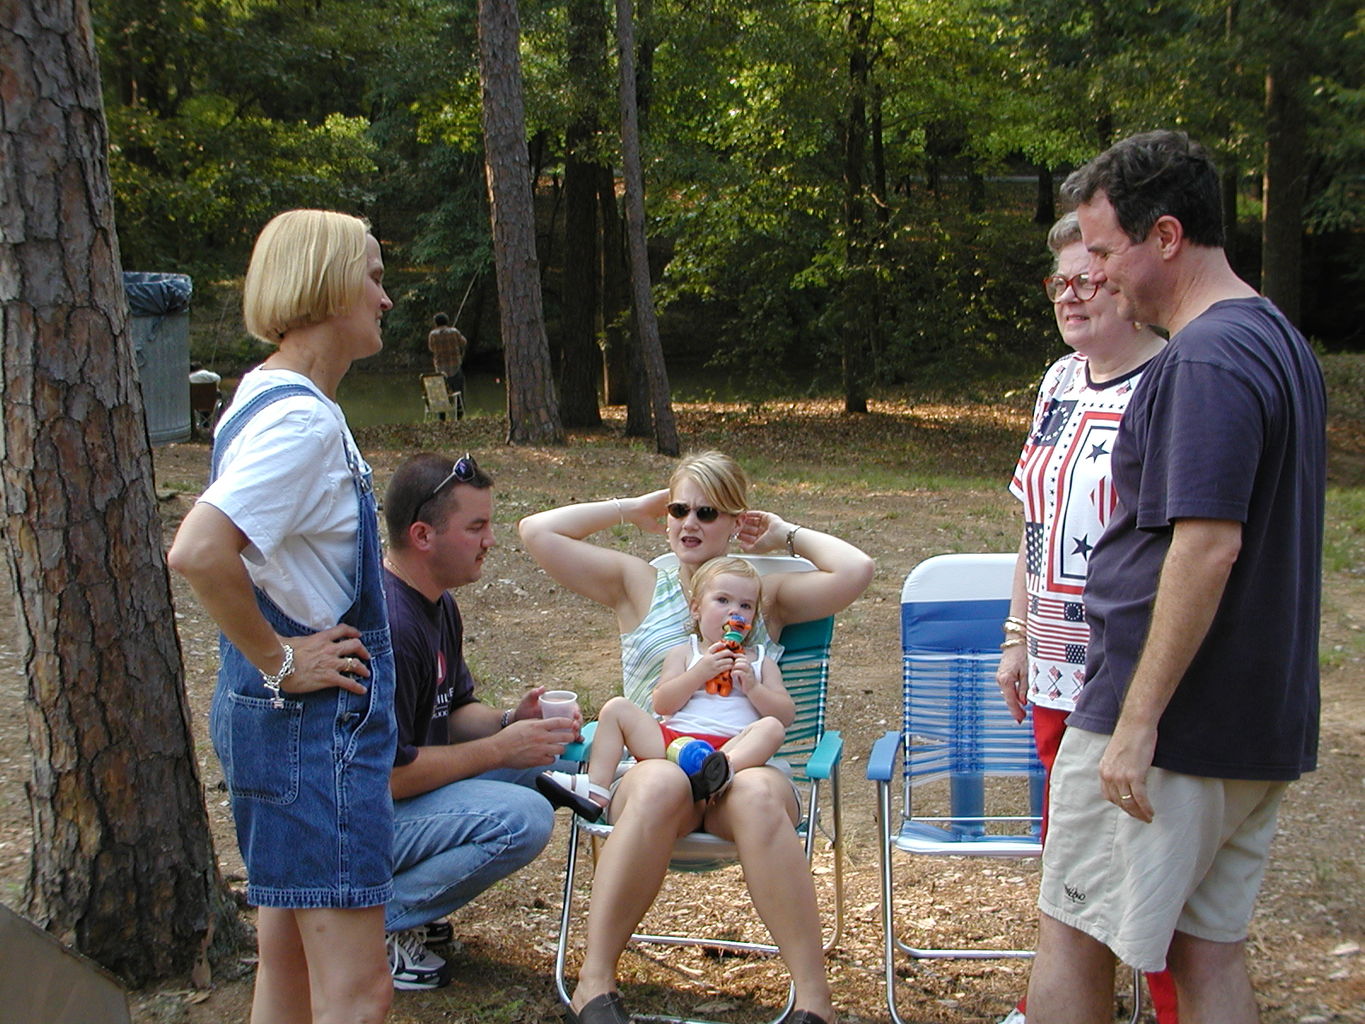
point(670, 735)
point(1048, 726)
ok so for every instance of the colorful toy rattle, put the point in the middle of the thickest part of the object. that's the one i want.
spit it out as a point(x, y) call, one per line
point(736, 628)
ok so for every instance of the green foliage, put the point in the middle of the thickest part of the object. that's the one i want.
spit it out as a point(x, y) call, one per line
point(195, 188)
point(222, 112)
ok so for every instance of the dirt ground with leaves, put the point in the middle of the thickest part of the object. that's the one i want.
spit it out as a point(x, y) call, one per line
point(903, 483)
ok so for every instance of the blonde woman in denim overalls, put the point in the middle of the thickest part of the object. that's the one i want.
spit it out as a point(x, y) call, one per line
point(282, 550)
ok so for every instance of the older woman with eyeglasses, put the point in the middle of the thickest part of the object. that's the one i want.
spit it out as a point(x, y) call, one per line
point(282, 550)
point(705, 509)
point(1063, 482)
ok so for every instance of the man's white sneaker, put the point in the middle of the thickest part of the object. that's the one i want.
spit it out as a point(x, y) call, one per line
point(1015, 1016)
point(436, 933)
point(412, 965)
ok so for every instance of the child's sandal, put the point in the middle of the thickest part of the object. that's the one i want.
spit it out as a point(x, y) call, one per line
point(574, 792)
point(712, 776)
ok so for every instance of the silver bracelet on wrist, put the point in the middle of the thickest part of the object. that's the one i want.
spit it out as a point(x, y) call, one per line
point(791, 540)
point(620, 512)
point(506, 719)
point(272, 681)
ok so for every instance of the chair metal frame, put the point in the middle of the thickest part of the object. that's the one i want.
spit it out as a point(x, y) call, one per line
point(955, 725)
point(811, 750)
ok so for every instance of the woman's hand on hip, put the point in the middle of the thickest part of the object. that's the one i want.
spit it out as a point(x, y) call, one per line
point(333, 657)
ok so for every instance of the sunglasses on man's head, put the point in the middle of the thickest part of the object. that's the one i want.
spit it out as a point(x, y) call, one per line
point(705, 513)
point(464, 471)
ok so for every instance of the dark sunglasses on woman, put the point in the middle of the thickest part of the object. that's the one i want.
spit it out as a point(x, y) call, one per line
point(705, 513)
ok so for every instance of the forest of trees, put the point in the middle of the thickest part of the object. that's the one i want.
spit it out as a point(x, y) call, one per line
point(847, 187)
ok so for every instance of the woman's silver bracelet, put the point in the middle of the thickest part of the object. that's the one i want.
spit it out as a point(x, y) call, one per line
point(272, 681)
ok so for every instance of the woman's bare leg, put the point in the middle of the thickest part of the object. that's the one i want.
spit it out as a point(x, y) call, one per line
point(757, 813)
point(348, 967)
point(652, 807)
point(281, 994)
point(753, 745)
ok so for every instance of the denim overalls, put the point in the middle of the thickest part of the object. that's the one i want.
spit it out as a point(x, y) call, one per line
point(310, 781)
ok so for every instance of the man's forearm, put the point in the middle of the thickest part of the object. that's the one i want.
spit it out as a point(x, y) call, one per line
point(438, 766)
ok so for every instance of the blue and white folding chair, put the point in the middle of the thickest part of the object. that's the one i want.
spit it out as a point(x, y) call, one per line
point(811, 751)
point(955, 728)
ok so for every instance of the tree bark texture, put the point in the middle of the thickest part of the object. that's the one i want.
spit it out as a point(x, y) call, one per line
point(532, 407)
point(857, 339)
point(642, 299)
point(581, 363)
point(123, 865)
point(1285, 187)
point(616, 332)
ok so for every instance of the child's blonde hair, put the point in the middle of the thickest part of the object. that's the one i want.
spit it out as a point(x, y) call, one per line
point(725, 565)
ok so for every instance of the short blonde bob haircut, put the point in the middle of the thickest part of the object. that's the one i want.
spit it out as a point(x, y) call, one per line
point(725, 565)
point(307, 265)
point(720, 478)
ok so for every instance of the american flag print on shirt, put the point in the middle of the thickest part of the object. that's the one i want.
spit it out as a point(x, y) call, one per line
point(1063, 479)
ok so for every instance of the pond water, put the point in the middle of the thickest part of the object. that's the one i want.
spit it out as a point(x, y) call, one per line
point(379, 397)
point(376, 397)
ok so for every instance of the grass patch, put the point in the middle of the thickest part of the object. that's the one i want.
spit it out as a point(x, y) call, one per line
point(1344, 538)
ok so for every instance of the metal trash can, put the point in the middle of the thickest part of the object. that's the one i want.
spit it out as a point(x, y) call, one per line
point(159, 305)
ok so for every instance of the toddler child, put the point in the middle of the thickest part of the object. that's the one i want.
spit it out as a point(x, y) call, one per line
point(726, 694)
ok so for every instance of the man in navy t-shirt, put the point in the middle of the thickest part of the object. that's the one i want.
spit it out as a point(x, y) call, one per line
point(1201, 699)
point(466, 813)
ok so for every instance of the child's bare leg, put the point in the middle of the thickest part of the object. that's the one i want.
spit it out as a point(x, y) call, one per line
point(622, 726)
point(755, 744)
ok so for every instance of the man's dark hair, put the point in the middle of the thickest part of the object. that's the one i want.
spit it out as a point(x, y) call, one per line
point(1153, 175)
point(409, 496)
point(440, 319)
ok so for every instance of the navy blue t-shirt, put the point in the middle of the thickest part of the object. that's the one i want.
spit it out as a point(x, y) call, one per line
point(432, 678)
point(1228, 423)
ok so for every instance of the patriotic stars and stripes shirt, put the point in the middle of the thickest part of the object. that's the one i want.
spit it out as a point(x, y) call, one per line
point(1064, 481)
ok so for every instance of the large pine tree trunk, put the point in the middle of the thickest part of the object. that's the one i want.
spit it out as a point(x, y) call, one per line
point(1285, 187)
point(580, 367)
point(581, 362)
point(642, 300)
point(616, 334)
point(123, 864)
point(532, 408)
point(857, 333)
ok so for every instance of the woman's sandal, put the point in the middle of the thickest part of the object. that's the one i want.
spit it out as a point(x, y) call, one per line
point(711, 776)
point(803, 1017)
point(604, 1009)
point(574, 792)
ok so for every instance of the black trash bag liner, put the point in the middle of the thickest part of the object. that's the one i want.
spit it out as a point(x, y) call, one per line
point(157, 294)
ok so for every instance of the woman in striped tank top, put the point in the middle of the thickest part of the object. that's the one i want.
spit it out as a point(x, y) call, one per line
point(703, 510)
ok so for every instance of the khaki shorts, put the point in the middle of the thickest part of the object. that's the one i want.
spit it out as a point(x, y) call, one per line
point(1196, 868)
